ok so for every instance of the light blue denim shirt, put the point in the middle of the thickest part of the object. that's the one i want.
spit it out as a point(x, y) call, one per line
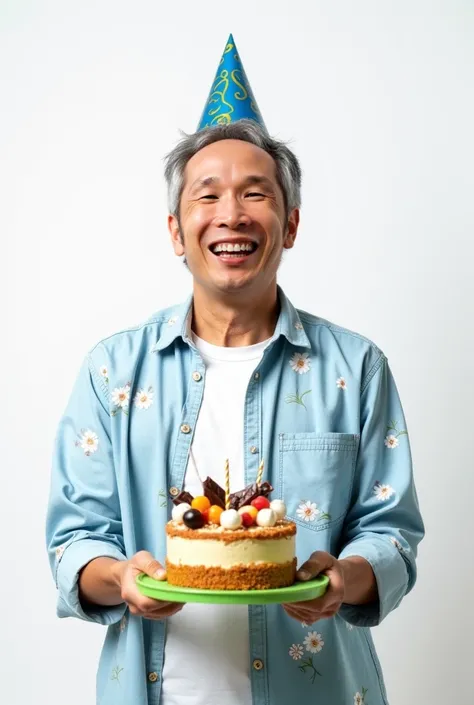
point(323, 410)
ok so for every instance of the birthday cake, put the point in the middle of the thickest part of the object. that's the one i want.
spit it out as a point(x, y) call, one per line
point(237, 542)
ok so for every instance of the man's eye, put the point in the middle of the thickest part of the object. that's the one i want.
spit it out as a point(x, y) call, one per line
point(255, 194)
point(208, 196)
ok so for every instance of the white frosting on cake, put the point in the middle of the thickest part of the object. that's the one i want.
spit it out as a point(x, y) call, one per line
point(215, 553)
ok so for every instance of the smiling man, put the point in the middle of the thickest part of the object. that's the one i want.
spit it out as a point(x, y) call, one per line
point(234, 372)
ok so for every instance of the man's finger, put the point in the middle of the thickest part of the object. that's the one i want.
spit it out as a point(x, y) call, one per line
point(316, 564)
point(147, 564)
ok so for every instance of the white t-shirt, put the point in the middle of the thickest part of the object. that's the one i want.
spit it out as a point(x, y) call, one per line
point(207, 646)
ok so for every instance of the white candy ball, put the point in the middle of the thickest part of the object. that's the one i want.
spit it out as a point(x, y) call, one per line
point(279, 508)
point(179, 510)
point(231, 519)
point(266, 517)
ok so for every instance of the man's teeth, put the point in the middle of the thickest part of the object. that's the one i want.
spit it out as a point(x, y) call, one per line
point(229, 247)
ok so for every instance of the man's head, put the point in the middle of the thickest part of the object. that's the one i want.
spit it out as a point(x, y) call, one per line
point(233, 185)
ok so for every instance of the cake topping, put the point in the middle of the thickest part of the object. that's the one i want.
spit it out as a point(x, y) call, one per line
point(279, 508)
point(214, 492)
point(247, 519)
point(260, 503)
point(183, 497)
point(179, 511)
point(201, 503)
point(230, 519)
point(214, 514)
point(245, 496)
point(193, 519)
point(266, 517)
point(248, 509)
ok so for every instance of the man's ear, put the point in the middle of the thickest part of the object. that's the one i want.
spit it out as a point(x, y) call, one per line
point(291, 229)
point(176, 237)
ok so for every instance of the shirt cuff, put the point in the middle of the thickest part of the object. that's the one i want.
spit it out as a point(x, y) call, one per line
point(390, 573)
point(75, 557)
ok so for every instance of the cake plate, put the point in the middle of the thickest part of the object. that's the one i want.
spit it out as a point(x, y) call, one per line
point(298, 592)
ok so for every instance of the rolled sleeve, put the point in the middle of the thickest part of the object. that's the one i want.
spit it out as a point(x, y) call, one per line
point(84, 519)
point(75, 557)
point(383, 524)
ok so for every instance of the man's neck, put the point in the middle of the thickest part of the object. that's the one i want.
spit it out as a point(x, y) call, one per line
point(235, 321)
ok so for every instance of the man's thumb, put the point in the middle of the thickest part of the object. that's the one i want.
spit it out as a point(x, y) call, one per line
point(149, 565)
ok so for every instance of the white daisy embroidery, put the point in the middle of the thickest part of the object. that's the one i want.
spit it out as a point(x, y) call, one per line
point(88, 441)
point(298, 325)
point(121, 396)
point(313, 642)
point(383, 492)
point(300, 363)
point(172, 320)
point(304, 625)
point(391, 441)
point(144, 398)
point(296, 652)
point(308, 511)
point(358, 700)
point(341, 383)
point(59, 552)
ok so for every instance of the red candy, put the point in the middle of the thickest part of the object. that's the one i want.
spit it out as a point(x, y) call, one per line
point(247, 519)
point(260, 503)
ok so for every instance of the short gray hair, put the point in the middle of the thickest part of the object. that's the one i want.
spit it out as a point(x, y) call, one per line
point(288, 170)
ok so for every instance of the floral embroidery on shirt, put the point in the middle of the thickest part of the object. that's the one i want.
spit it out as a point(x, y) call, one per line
point(300, 363)
point(115, 676)
point(313, 643)
point(88, 441)
point(59, 552)
point(297, 398)
point(383, 492)
point(298, 325)
point(359, 698)
point(391, 440)
point(304, 625)
point(341, 383)
point(144, 398)
point(172, 320)
point(105, 373)
point(121, 399)
point(162, 498)
point(308, 511)
point(296, 652)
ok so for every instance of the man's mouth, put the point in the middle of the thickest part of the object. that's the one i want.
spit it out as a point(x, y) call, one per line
point(233, 250)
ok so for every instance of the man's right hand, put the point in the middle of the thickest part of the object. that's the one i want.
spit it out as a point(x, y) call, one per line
point(126, 572)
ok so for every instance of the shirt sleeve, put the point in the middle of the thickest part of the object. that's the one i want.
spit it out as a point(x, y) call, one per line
point(83, 517)
point(383, 524)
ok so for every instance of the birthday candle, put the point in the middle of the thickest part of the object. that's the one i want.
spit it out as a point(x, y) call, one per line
point(260, 473)
point(227, 485)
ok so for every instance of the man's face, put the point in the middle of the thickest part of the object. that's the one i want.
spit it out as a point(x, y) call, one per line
point(232, 217)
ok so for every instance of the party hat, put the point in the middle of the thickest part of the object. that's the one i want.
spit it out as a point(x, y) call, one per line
point(231, 97)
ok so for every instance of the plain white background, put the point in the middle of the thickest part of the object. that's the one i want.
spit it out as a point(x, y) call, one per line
point(376, 99)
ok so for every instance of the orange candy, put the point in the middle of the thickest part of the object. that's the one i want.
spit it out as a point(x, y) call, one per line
point(248, 509)
point(214, 514)
point(201, 503)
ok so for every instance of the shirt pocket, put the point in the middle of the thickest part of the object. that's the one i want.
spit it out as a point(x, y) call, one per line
point(316, 476)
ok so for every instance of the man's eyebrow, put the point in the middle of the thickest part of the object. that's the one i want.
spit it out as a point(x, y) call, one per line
point(202, 183)
point(255, 179)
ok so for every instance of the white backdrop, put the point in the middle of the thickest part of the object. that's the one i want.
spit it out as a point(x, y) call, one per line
point(376, 98)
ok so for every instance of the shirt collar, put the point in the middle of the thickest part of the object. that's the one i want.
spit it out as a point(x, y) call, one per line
point(178, 325)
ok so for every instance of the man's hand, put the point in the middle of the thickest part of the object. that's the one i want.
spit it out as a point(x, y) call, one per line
point(125, 574)
point(351, 581)
point(311, 611)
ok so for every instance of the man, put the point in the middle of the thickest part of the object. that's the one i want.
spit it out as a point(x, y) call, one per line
point(235, 372)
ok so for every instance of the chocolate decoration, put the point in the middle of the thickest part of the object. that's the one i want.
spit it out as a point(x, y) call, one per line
point(214, 492)
point(245, 496)
point(183, 497)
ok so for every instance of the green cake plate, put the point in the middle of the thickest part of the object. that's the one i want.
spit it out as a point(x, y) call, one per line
point(298, 592)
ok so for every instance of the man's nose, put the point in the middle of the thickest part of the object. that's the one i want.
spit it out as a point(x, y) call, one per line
point(232, 214)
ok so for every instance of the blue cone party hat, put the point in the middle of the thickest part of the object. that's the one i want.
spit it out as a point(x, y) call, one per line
point(231, 97)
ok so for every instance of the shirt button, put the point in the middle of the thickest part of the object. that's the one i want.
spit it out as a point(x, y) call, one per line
point(256, 375)
point(174, 492)
point(258, 664)
point(153, 677)
point(185, 428)
point(197, 376)
point(253, 449)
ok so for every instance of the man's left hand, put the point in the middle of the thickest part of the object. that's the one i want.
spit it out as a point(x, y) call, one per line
point(328, 605)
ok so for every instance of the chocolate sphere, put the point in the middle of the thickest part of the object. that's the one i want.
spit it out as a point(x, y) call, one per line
point(193, 519)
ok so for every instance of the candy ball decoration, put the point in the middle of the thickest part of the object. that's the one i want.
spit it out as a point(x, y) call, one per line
point(179, 511)
point(201, 503)
point(193, 519)
point(266, 517)
point(260, 503)
point(247, 519)
point(279, 508)
point(231, 519)
point(214, 514)
point(248, 509)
